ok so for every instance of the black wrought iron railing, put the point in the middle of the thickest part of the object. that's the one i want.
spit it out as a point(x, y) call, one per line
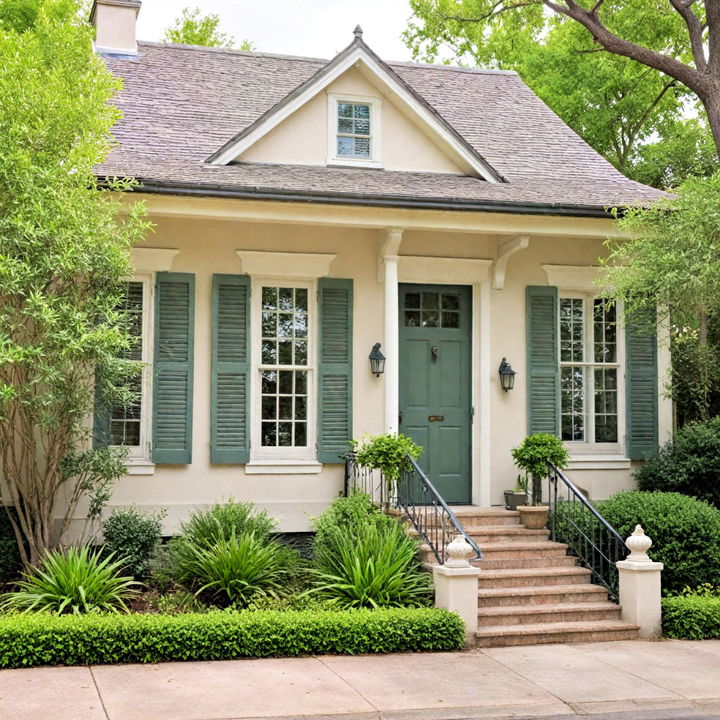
point(415, 497)
point(574, 521)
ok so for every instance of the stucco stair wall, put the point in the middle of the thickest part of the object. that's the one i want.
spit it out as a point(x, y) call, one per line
point(530, 590)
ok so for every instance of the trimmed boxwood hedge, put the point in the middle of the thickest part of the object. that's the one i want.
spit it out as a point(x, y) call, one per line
point(40, 639)
point(691, 618)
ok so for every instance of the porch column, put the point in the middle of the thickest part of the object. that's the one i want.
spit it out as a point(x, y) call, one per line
point(390, 250)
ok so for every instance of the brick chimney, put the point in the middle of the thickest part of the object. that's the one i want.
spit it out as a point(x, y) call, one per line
point(114, 22)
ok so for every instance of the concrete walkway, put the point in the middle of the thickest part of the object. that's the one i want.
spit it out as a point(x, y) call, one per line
point(658, 680)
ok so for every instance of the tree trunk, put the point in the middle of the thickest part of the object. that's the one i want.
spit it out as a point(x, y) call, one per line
point(712, 107)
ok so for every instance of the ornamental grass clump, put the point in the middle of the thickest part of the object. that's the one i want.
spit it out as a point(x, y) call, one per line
point(377, 567)
point(74, 581)
point(236, 570)
point(363, 558)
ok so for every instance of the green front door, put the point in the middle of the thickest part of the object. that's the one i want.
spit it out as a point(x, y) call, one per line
point(435, 383)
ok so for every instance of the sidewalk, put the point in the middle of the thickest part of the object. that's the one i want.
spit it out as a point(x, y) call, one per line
point(669, 679)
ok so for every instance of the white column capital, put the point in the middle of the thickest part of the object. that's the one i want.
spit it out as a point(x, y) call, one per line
point(391, 244)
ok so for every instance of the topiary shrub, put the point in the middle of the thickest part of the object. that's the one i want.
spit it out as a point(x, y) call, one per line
point(532, 456)
point(685, 533)
point(689, 464)
point(134, 536)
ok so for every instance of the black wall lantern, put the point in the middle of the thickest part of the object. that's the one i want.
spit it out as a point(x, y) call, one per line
point(377, 361)
point(507, 375)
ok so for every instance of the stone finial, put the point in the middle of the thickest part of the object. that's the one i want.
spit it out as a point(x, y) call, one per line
point(358, 32)
point(638, 544)
point(458, 553)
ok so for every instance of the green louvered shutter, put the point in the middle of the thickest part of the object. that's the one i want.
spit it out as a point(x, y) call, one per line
point(641, 384)
point(335, 368)
point(173, 367)
point(230, 392)
point(543, 377)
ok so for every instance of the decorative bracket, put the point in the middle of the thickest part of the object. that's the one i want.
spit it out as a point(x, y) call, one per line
point(389, 250)
point(504, 250)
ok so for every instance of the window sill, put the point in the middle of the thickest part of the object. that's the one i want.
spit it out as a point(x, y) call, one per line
point(275, 467)
point(598, 462)
point(349, 162)
point(140, 466)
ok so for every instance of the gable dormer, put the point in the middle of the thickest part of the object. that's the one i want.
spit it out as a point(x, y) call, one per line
point(356, 112)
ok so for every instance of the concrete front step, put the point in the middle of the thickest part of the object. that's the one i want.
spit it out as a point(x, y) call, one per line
point(505, 533)
point(533, 577)
point(543, 548)
point(520, 563)
point(541, 633)
point(471, 515)
point(555, 613)
point(541, 595)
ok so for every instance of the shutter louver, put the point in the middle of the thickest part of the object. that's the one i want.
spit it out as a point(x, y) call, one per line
point(173, 367)
point(335, 369)
point(543, 375)
point(641, 384)
point(230, 393)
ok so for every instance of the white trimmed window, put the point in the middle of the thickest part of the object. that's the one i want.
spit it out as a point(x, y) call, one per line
point(283, 354)
point(130, 426)
point(591, 382)
point(354, 137)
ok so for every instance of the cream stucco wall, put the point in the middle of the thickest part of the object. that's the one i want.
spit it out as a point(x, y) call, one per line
point(302, 138)
point(208, 246)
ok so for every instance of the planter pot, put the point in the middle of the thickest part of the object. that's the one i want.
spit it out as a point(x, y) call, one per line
point(533, 518)
point(514, 498)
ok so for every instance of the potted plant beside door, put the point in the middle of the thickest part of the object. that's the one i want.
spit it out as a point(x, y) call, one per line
point(532, 457)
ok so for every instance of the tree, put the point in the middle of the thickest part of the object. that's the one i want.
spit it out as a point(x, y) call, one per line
point(64, 251)
point(194, 28)
point(671, 261)
point(601, 64)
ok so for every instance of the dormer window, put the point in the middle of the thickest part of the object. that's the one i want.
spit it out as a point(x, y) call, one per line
point(353, 130)
point(354, 125)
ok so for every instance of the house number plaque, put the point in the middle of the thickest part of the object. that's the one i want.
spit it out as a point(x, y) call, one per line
point(436, 418)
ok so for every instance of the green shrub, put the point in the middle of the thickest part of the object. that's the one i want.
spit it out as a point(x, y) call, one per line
point(10, 564)
point(75, 581)
point(135, 536)
point(352, 513)
point(689, 463)
point(685, 533)
point(206, 527)
point(691, 617)
point(378, 567)
point(38, 639)
point(235, 570)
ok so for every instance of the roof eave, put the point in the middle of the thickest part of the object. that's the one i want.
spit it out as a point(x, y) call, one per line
point(162, 187)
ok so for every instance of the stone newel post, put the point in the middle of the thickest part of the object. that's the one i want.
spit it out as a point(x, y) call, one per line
point(639, 579)
point(456, 586)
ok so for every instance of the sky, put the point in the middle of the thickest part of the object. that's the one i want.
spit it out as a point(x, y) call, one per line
point(314, 28)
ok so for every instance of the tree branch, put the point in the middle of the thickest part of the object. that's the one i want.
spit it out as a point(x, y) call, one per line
point(696, 80)
point(694, 30)
point(497, 9)
point(712, 21)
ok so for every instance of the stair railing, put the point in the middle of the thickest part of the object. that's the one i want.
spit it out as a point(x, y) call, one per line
point(416, 498)
point(573, 520)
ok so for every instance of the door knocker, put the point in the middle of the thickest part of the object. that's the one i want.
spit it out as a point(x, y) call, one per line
point(434, 353)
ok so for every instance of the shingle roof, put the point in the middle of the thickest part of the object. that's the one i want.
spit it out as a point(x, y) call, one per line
point(182, 103)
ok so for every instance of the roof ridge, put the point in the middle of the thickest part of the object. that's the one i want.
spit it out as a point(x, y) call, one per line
point(305, 58)
point(229, 51)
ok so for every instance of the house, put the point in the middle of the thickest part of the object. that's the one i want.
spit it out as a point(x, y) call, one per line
point(308, 209)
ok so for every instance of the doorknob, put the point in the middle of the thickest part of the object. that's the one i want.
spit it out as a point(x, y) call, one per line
point(434, 353)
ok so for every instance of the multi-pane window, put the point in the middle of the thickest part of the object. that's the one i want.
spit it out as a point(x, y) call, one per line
point(432, 309)
point(353, 130)
point(126, 420)
point(284, 366)
point(589, 370)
